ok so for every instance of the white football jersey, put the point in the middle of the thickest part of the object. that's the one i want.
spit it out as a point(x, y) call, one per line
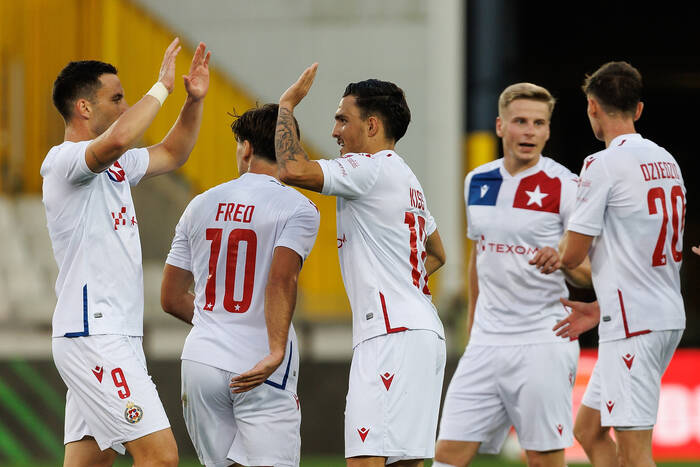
point(226, 238)
point(383, 222)
point(95, 237)
point(631, 197)
point(511, 218)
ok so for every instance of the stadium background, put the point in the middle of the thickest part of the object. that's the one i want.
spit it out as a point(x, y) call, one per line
point(452, 58)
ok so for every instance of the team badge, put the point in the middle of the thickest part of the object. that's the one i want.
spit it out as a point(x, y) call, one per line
point(133, 413)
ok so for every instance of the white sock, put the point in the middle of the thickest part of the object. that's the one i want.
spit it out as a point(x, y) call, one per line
point(442, 464)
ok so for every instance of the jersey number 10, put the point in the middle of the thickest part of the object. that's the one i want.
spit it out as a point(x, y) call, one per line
point(232, 248)
point(677, 223)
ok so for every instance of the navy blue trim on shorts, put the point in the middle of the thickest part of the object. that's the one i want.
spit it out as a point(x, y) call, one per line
point(86, 329)
point(286, 373)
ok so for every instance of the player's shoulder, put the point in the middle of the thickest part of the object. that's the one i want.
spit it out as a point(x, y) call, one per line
point(555, 169)
point(65, 149)
point(492, 167)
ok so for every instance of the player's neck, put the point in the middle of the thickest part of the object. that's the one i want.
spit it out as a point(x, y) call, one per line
point(261, 166)
point(375, 145)
point(77, 133)
point(615, 127)
point(514, 166)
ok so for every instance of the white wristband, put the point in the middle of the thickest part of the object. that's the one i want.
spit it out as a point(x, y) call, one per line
point(159, 91)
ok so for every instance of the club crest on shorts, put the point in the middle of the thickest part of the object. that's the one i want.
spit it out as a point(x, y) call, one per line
point(133, 413)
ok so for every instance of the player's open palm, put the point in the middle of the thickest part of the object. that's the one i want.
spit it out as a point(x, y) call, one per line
point(167, 66)
point(256, 376)
point(297, 91)
point(583, 317)
point(197, 81)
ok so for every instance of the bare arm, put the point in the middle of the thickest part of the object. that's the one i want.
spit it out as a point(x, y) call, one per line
point(280, 300)
point(548, 260)
point(580, 276)
point(125, 132)
point(436, 253)
point(177, 145)
point(472, 289)
point(576, 249)
point(295, 168)
point(175, 296)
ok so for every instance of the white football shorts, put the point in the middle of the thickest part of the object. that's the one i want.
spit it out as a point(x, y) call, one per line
point(110, 395)
point(394, 394)
point(258, 427)
point(525, 386)
point(626, 382)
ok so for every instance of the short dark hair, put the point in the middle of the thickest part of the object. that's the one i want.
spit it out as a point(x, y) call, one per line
point(385, 99)
point(76, 80)
point(616, 85)
point(257, 126)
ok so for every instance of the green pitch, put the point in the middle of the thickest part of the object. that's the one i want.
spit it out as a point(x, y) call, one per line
point(335, 461)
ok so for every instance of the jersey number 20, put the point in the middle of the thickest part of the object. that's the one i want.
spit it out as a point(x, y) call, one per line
point(235, 238)
point(677, 223)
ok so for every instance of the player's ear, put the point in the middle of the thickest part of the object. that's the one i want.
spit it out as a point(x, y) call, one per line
point(638, 112)
point(247, 152)
point(593, 107)
point(372, 126)
point(499, 127)
point(82, 108)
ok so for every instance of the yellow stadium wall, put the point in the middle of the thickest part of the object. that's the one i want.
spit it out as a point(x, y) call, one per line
point(38, 37)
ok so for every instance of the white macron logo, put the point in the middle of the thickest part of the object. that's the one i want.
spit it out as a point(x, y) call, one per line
point(484, 189)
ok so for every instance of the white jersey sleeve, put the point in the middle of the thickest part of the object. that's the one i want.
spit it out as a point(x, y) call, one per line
point(350, 176)
point(300, 230)
point(135, 163)
point(180, 254)
point(593, 196)
point(71, 165)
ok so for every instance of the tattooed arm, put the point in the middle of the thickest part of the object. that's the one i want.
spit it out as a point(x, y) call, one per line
point(295, 168)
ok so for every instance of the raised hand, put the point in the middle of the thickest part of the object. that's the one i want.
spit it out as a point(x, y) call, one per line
point(696, 250)
point(583, 316)
point(167, 66)
point(546, 260)
point(298, 90)
point(197, 81)
point(257, 375)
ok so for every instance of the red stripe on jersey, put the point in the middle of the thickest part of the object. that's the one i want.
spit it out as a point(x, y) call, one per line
point(628, 334)
point(389, 329)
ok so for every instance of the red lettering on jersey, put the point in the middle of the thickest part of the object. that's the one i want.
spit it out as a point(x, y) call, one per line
point(416, 199)
point(645, 172)
point(538, 192)
point(235, 212)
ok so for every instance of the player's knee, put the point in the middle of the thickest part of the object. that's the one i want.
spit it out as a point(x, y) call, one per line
point(587, 435)
point(448, 454)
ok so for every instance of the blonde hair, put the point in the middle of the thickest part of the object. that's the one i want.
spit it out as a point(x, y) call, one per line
point(525, 91)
